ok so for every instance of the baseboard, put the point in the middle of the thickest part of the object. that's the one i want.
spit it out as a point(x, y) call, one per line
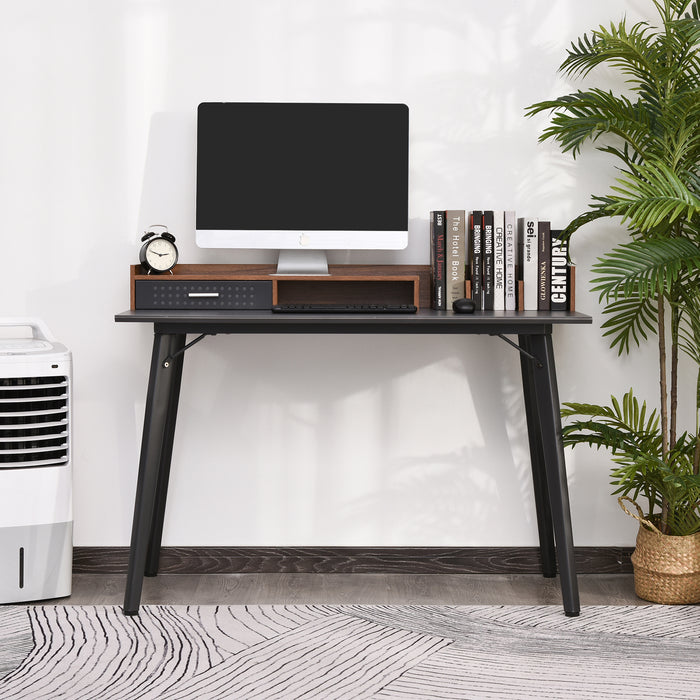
point(351, 560)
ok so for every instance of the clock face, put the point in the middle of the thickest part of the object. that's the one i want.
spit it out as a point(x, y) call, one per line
point(161, 254)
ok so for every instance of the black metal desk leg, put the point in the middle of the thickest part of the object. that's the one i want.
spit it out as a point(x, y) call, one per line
point(161, 405)
point(547, 397)
point(539, 478)
point(152, 558)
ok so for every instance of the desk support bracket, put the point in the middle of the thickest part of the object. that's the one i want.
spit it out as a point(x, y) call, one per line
point(170, 358)
point(538, 363)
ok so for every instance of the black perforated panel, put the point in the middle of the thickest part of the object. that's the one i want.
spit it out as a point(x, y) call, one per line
point(181, 295)
point(33, 421)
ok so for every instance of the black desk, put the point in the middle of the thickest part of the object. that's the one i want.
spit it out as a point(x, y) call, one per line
point(534, 343)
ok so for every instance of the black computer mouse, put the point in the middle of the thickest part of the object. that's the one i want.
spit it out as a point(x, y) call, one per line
point(463, 306)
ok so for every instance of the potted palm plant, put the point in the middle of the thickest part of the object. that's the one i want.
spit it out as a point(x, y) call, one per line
point(649, 285)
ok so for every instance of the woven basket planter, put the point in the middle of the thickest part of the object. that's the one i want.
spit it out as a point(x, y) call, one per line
point(666, 567)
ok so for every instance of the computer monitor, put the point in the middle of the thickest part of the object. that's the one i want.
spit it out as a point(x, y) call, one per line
point(302, 178)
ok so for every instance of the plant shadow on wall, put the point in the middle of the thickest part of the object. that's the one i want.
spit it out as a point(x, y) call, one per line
point(381, 457)
point(650, 285)
point(476, 453)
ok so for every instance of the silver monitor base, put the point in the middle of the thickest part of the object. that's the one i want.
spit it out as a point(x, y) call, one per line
point(302, 262)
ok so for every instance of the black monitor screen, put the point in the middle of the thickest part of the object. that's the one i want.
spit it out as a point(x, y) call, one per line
point(296, 166)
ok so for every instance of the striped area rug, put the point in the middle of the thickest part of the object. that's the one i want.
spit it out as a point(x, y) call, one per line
point(348, 651)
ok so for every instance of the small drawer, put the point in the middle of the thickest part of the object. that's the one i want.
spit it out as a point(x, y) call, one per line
point(198, 294)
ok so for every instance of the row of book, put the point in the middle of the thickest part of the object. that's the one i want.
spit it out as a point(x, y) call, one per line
point(500, 261)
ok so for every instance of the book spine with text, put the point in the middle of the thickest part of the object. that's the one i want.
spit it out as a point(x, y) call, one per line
point(488, 260)
point(544, 262)
point(527, 232)
point(456, 244)
point(499, 262)
point(437, 258)
point(560, 279)
point(510, 260)
point(475, 246)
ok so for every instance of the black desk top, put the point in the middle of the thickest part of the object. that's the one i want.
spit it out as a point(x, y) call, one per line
point(424, 321)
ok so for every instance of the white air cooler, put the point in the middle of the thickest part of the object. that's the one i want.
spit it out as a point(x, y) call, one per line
point(36, 515)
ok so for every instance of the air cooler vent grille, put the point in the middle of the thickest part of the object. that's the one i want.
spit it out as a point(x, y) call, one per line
point(33, 421)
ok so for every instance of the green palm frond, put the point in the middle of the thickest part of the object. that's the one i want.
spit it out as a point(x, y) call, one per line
point(688, 304)
point(628, 415)
point(598, 210)
point(630, 320)
point(624, 428)
point(684, 521)
point(676, 484)
point(673, 8)
point(693, 9)
point(630, 279)
point(644, 268)
point(634, 439)
point(683, 146)
point(677, 117)
point(659, 482)
point(680, 44)
point(680, 39)
point(587, 115)
point(582, 57)
point(652, 58)
point(631, 51)
point(651, 195)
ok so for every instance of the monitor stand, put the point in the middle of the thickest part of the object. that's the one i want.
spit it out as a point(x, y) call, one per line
point(302, 262)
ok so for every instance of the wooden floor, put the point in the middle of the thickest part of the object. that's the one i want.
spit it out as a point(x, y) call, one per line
point(380, 589)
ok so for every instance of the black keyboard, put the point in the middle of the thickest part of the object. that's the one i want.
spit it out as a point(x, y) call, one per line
point(345, 308)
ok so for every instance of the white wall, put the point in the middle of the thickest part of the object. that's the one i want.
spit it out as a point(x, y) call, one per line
point(297, 440)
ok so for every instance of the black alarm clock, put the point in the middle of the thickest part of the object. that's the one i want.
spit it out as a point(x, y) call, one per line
point(158, 252)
